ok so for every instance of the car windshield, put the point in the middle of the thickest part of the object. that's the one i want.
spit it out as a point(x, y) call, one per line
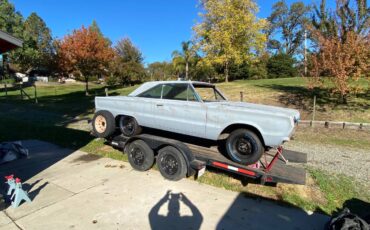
point(208, 93)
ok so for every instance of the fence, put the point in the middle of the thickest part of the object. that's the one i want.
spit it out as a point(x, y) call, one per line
point(335, 124)
point(326, 124)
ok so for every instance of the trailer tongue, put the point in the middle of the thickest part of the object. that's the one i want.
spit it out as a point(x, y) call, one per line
point(273, 167)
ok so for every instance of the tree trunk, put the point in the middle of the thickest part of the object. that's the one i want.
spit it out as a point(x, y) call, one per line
point(87, 86)
point(227, 71)
point(187, 71)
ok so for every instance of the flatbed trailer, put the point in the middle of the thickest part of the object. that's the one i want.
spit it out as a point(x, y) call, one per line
point(274, 167)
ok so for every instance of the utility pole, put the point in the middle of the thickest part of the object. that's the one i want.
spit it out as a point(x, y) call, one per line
point(305, 53)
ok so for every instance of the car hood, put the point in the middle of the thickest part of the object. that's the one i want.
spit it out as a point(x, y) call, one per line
point(264, 108)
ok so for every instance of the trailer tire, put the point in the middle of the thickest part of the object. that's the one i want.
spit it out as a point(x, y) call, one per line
point(244, 146)
point(129, 126)
point(140, 155)
point(103, 124)
point(171, 163)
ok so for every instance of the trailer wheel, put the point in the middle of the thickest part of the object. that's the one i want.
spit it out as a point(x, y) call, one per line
point(171, 163)
point(129, 126)
point(103, 124)
point(140, 155)
point(244, 146)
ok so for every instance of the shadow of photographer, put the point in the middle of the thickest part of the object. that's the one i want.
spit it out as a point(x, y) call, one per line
point(174, 219)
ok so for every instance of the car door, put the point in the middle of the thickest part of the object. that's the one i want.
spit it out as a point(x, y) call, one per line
point(179, 110)
point(145, 103)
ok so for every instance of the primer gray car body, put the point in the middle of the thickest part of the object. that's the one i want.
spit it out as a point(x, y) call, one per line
point(200, 118)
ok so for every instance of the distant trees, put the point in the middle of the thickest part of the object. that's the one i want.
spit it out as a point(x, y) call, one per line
point(127, 65)
point(160, 71)
point(230, 43)
point(86, 52)
point(38, 49)
point(184, 58)
point(289, 22)
point(230, 33)
point(281, 65)
point(11, 21)
point(342, 46)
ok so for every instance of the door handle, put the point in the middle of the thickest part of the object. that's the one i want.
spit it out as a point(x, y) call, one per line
point(159, 105)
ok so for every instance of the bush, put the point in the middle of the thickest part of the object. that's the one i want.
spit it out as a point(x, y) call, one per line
point(281, 65)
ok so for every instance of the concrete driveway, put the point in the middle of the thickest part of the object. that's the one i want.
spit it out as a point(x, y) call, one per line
point(75, 190)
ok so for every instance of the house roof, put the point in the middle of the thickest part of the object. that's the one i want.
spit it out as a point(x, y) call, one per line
point(8, 42)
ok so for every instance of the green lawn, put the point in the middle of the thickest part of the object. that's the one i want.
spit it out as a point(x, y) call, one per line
point(59, 105)
point(293, 93)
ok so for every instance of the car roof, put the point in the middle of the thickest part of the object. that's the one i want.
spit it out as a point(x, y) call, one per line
point(150, 84)
point(181, 82)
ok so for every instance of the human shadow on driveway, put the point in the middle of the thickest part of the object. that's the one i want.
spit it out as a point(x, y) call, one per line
point(173, 219)
point(247, 211)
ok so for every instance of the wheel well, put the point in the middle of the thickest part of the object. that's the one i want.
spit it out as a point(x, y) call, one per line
point(233, 127)
point(118, 118)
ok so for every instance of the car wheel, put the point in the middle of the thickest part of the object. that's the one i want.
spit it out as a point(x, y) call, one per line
point(140, 155)
point(129, 126)
point(171, 163)
point(103, 124)
point(244, 146)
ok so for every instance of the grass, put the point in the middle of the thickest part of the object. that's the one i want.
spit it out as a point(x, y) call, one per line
point(340, 190)
point(293, 93)
point(59, 105)
point(336, 137)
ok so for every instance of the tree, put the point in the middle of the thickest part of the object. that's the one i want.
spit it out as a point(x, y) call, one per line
point(230, 32)
point(128, 63)
point(160, 71)
point(342, 52)
point(85, 52)
point(349, 16)
point(341, 62)
point(11, 21)
point(183, 57)
point(290, 22)
point(38, 46)
point(323, 20)
point(128, 51)
point(95, 27)
point(281, 65)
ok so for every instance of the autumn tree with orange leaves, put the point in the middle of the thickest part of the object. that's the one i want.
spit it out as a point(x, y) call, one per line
point(343, 47)
point(342, 62)
point(86, 52)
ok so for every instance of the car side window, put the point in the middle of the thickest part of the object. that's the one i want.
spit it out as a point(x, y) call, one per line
point(175, 92)
point(191, 94)
point(154, 92)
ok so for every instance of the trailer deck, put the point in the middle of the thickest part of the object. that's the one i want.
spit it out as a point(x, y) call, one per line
point(274, 167)
point(280, 171)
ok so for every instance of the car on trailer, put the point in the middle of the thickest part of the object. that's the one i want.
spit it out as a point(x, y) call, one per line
point(200, 110)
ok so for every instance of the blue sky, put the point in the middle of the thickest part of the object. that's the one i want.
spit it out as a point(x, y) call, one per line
point(157, 27)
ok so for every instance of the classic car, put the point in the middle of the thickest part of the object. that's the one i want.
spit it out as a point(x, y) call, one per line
point(197, 109)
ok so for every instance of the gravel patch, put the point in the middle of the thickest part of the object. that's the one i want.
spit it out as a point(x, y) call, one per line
point(338, 160)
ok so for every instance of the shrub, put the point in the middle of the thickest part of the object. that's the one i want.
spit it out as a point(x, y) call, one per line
point(281, 65)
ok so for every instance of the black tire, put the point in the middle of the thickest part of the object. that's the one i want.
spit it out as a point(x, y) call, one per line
point(244, 146)
point(129, 126)
point(171, 163)
point(140, 155)
point(103, 124)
